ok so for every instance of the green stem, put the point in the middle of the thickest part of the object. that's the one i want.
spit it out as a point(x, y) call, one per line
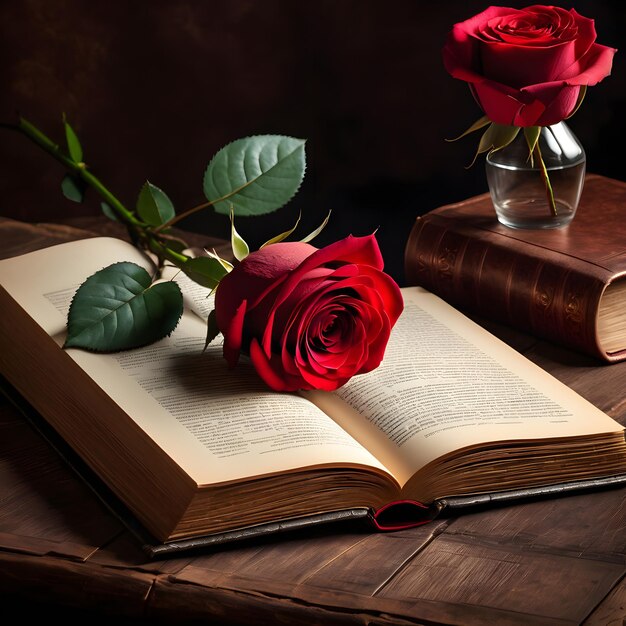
point(204, 205)
point(147, 236)
point(546, 180)
point(164, 252)
point(43, 141)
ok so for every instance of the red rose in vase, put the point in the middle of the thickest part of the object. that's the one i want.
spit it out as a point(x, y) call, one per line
point(309, 318)
point(527, 67)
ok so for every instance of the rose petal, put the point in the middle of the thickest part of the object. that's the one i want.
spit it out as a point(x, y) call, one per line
point(586, 33)
point(358, 250)
point(592, 68)
point(559, 100)
point(364, 311)
point(233, 335)
point(389, 292)
point(272, 375)
point(505, 105)
point(518, 67)
point(461, 55)
point(328, 382)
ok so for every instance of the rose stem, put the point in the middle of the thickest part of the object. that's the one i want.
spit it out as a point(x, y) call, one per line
point(204, 205)
point(546, 180)
point(136, 227)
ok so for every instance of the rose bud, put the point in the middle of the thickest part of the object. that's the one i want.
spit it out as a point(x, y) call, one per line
point(309, 318)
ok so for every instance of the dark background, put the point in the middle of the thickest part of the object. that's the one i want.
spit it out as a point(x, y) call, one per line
point(155, 88)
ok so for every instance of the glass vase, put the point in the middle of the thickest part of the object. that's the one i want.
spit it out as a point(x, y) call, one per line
point(518, 187)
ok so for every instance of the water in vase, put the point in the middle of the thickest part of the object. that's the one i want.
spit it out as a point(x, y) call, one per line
point(518, 189)
point(521, 200)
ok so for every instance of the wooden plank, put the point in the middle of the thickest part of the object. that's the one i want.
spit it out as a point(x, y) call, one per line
point(298, 604)
point(466, 571)
point(366, 566)
point(343, 586)
point(282, 559)
point(44, 508)
point(345, 561)
point(21, 237)
point(41, 546)
point(173, 601)
point(612, 611)
point(590, 525)
point(359, 563)
point(125, 552)
point(81, 585)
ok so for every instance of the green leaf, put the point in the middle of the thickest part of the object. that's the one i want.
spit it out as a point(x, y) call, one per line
point(109, 212)
point(212, 331)
point(240, 248)
point(284, 235)
point(73, 188)
point(257, 175)
point(153, 205)
point(531, 134)
point(117, 308)
point(205, 271)
point(477, 125)
point(317, 231)
point(73, 144)
point(496, 137)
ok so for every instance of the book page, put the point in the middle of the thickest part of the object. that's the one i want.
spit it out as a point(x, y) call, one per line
point(218, 424)
point(446, 383)
point(611, 318)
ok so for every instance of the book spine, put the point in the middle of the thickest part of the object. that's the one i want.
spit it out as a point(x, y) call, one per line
point(526, 287)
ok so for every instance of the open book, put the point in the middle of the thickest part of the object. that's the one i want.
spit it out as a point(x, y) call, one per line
point(193, 448)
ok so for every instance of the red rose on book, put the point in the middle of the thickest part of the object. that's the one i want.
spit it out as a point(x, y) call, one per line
point(526, 67)
point(309, 318)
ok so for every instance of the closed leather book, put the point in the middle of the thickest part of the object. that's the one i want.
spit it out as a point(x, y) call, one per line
point(567, 285)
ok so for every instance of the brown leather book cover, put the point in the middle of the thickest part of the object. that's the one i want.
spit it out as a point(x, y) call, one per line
point(546, 282)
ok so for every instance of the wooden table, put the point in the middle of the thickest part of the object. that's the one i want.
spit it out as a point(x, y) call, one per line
point(552, 561)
